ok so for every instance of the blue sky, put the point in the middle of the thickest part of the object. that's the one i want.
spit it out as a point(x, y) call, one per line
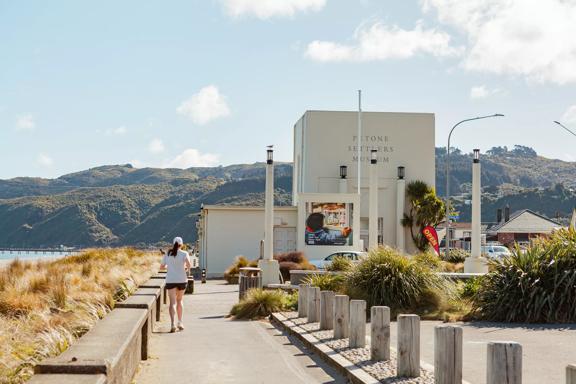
point(205, 82)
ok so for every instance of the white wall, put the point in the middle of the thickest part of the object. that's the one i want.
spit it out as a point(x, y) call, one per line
point(230, 232)
point(328, 140)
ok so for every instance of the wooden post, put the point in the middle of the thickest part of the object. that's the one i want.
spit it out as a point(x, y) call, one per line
point(313, 304)
point(341, 316)
point(504, 363)
point(571, 374)
point(447, 355)
point(380, 333)
point(302, 300)
point(326, 310)
point(408, 346)
point(357, 323)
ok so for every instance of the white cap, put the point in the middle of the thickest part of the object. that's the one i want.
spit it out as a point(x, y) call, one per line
point(178, 240)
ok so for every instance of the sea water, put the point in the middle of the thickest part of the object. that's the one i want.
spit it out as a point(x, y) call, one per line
point(6, 256)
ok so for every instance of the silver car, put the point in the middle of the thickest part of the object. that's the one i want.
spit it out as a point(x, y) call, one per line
point(351, 255)
point(495, 251)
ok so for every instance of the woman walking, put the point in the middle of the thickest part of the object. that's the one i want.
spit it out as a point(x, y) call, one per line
point(178, 262)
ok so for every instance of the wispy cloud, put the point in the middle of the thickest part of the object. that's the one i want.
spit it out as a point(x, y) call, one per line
point(119, 131)
point(569, 116)
point(205, 106)
point(376, 41)
point(156, 146)
point(528, 38)
point(25, 123)
point(265, 9)
point(483, 92)
point(193, 158)
point(44, 160)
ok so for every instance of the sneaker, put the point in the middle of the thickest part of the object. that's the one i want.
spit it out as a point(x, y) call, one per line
point(173, 329)
point(180, 326)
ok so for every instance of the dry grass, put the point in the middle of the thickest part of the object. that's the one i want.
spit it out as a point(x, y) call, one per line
point(44, 306)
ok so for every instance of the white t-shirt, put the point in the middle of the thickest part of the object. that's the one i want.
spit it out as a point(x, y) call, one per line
point(176, 267)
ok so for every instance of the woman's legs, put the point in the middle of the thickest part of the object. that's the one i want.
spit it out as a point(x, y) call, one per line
point(179, 297)
point(172, 307)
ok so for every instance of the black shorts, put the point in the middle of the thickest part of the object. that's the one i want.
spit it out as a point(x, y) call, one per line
point(179, 286)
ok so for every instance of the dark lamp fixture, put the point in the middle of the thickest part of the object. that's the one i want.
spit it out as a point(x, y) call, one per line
point(373, 156)
point(476, 155)
point(343, 171)
point(401, 173)
point(269, 156)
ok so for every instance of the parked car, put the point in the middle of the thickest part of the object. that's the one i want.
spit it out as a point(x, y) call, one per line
point(352, 255)
point(495, 251)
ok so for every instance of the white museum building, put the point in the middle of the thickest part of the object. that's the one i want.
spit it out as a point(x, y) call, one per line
point(327, 213)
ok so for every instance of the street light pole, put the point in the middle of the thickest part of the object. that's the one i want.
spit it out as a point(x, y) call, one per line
point(566, 128)
point(447, 193)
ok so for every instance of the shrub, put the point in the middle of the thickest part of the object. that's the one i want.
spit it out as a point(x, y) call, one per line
point(388, 278)
point(292, 261)
point(470, 287)
point(327, 282)
point(259, 303)
point(428, 259)
point(340, 264)
point(231, 274)
point(455, 255)
point(532, 286)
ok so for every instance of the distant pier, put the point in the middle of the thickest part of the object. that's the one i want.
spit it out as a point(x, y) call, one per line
point(18, 251)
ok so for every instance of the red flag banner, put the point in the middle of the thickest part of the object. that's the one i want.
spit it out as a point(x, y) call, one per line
point(430, 233)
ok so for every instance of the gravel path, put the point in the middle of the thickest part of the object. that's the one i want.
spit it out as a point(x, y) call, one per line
point(384, 371)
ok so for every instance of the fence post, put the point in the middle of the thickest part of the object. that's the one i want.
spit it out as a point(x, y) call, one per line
point(447, 355)
point(326, 310)
point(341, 316)
point(571, 374)
point(313, 304)
point(302, 300)
point(380, 333)
point(408, 346)
point(504, 363)
point(357, 323)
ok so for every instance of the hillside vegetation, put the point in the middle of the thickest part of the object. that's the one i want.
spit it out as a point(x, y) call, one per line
point(123, 205)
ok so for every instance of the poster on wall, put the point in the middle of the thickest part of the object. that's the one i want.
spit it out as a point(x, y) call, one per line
point(328, 223)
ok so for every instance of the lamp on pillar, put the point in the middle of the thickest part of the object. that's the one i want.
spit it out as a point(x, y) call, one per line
point(476, 263)
point(400, 204)
point(343, 185)
point(270, 267)
point(373, 199)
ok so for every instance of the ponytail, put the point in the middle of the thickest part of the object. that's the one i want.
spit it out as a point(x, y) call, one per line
point(174, 250)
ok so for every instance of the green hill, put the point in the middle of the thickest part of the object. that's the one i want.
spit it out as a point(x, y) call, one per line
point(123, 205)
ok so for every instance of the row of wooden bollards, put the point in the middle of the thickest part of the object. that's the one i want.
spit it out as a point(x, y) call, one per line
point(348, 320)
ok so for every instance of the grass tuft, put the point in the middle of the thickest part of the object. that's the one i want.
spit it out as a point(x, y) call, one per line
point(259, 303)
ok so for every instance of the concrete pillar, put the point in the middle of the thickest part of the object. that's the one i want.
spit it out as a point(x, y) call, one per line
point(313, 304)
point(326, 310)
point(447, 355)
point(504, 363)
point(357, 323)
point(408, 346)
point(373, 202)
point(302, 300)
point(475, 263)
point(270, 267)
point(341, 316)
point(571, 374)
point(380, 333)
point(400, 204)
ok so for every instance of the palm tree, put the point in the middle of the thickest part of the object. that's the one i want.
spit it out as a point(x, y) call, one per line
point(425, 209)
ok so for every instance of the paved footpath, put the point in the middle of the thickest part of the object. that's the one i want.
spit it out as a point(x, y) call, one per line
point(546, 349)
point(213, 349)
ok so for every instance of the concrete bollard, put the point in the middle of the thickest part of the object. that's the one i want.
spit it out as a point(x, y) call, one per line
point(302, 300)
point(341, 316)
point(571, 374)
point(504, 363)
point(380, 333)
point(357, 323)
point(448, 355)
point(313, 304)
point(408, 346)
point(326, 310)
